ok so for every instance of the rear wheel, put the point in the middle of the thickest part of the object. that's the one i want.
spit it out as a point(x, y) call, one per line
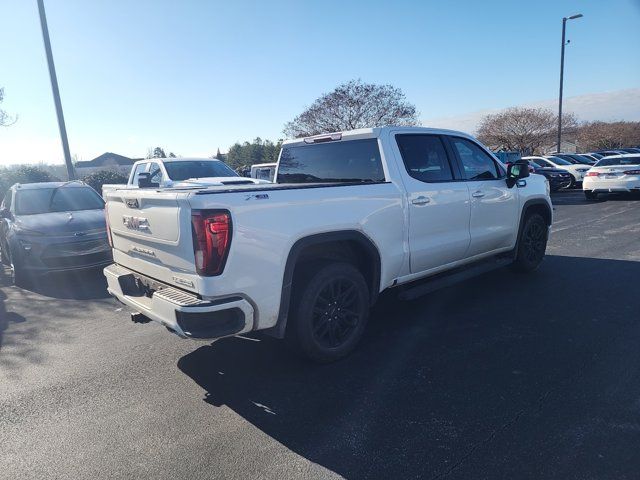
point(532, 244)
point(590, 195)
point(330, 312)
point(4, 254)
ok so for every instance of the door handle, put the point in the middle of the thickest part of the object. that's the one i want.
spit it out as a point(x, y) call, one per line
point(421, 200)
point(477, 194)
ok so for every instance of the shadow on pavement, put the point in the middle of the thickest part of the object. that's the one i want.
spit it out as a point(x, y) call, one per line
point(6, 317)
point(486, 379)
point(576, 197)
point(79, 285)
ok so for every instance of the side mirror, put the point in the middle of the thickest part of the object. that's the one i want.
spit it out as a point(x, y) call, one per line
point(144, 180)
point(517, 171)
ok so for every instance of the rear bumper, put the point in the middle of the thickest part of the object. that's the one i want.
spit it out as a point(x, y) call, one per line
point(603, 186)
point(182, 312)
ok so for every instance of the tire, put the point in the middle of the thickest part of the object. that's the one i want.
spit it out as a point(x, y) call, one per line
point(572, 184)
point(19, 277)
point(4, 256)
point(531, 244)
point(590, 195)
point(330, 312)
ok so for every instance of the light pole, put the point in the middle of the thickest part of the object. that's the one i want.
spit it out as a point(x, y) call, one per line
point(564, 28)
point(56, 92)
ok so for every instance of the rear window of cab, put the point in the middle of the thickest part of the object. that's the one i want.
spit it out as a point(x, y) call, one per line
point(352, 161)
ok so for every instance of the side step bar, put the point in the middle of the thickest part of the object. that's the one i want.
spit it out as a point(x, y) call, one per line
point(447, 279)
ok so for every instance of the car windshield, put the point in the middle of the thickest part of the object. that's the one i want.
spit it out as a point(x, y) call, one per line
point(184, 170)
point(559, 161)
point(57, 199)
point(608, 161)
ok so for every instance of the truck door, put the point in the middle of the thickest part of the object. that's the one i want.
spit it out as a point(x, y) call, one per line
point(438, 202)
point(494, 206)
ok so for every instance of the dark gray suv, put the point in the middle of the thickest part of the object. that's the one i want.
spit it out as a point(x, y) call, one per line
point(54, 226)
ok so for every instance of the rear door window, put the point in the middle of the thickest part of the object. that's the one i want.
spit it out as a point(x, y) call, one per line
point(332, 162)
point(425, 157)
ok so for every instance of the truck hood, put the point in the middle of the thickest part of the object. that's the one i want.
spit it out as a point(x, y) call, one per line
point(61, 223)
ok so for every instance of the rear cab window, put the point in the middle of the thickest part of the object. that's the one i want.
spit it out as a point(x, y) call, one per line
point(343, 161)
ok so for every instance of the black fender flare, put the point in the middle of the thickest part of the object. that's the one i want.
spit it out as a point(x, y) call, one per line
point(298, 247)
point(530, 203)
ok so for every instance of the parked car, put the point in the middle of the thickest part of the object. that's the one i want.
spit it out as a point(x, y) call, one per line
point(557, 178)
point(595, 155)
point(630, 150)
point(263, 171)
point(577, 171)
point(53, 226)
point(575, 158)
point(591, 156)
point(614, 174)
point(351, 214)
point(174, 172)
point(608, 153)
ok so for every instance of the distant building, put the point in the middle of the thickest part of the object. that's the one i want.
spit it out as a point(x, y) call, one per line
point(106, 161)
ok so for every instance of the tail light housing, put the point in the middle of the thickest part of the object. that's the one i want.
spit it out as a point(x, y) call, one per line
point(593, 174)
point(106, 217)
point(211, 240)
point(632, 172)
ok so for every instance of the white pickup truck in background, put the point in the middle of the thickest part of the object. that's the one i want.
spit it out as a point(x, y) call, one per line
point(350, 215)
point(180, 172)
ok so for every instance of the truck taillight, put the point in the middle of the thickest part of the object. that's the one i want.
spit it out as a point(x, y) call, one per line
point(106, 217)
point(632, 172)
point(593, 174)
point(211, 240)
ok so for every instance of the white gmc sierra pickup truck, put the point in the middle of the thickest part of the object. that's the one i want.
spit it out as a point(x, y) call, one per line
point(350, 215)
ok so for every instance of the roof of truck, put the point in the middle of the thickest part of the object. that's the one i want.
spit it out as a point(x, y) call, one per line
point(371, 133)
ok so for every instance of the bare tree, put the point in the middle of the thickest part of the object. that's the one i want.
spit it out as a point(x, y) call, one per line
point(608, 135)
point(354, 105)
point(5, 118)
point(523, 129)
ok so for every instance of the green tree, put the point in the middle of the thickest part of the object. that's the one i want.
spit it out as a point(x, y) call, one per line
point(249, 153)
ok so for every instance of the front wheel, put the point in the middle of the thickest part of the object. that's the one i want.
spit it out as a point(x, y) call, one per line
point(330, 312)
point(532, 244)
point(590, 195)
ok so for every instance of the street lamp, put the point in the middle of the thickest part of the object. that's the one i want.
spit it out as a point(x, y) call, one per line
point(564, 28)
point(56, 91)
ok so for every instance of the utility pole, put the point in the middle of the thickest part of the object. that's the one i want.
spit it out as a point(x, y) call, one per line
point(564, 29)
point(56, 92)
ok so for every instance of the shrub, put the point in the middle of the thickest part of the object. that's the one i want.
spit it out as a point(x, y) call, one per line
point(99, 178)
point(22, 174)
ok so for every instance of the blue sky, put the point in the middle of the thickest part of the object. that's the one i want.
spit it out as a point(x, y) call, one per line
point(194, 76)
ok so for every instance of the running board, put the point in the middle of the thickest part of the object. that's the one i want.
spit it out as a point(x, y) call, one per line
point(448, 279)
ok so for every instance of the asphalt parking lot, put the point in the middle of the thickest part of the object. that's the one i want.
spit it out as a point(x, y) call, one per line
point(503, 376)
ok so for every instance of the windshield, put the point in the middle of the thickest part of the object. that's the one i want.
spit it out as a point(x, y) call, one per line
point(559, 161)
point(184, 170)
point(60, 199)
point(607, 161)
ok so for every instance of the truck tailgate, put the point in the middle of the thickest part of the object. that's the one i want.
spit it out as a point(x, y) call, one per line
point(151, 234)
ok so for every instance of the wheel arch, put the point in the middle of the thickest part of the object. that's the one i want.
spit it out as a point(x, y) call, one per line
point(351, 246)
point(535, 205)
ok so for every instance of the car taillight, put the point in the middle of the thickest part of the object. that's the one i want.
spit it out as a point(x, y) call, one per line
point(632, 172)
point(106, 217)
point(593, 174)
point(211, 240)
